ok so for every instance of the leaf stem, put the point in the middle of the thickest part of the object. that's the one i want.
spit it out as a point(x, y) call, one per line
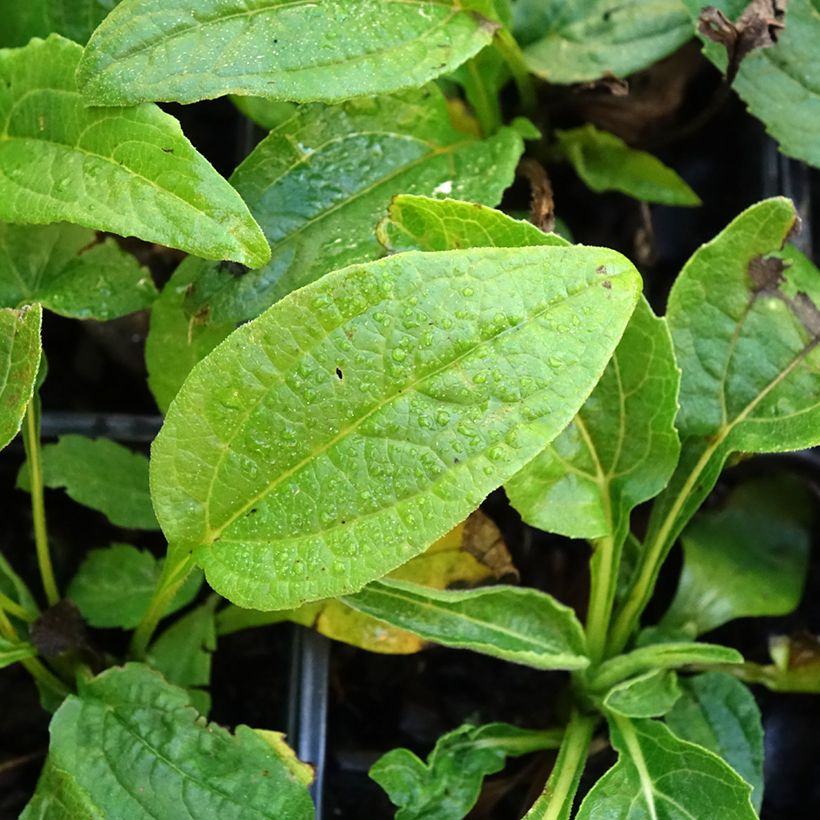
point(601, 597)
point(483, 100)
point(555, 802)
point(513, 56)
point(31, 442)
point(13, 608)
point(174, 573)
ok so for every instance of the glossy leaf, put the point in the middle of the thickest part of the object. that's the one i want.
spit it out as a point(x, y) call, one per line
point(320, 182)
point(781, 84)
point(113, 586)
point(101, 474)
point(747, 559)
point(414, 373)
point(606, 163)
point(183, 654)
point(129, 745)
point(720, 713)
point(587, 39)
point(619, 450)
point(75, 19)
point(128, 171)
point(660, 776)
point(672, 655)
point(66, 270)
point(147, 50)
point(13, 651)
point(651, 694)
point(20, 351)
point(425, 224)
point(516, 624)
point(447, 786)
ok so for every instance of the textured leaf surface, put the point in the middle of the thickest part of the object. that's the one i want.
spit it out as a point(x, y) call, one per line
point(748, 559)
point(113, 586)
point(101, 474)
point(619, 450)
point(65, 269)
point(649, 695)
point(128, 171)
point(281, 49)
point(720, 713)
point(587, 39)
point(417, 374)
point(606, 163)
point(20, 351)
point(780, 85)
point(129, 745)
point(320, 182)
point(12, 651)
point(659, 776)
point(514, 623)
point(75, 19)
point(446, 787)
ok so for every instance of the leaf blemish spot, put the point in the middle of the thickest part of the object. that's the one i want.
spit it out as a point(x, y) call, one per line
point(607, 284)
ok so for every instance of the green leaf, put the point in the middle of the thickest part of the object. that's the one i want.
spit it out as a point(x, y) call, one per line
point(587, 39)
point(447, 786)
point(747, 559)
point(75, 19)
point(516, 624)
point(183, 653)
point(371, 150)
point(13, 651)
point(651, 694)
point(267, 114)
point(606, 163)
point(414, 374)
point(720, 713)
point(672, 655)
point(619, 450)
point(65, 269)
point(101, 474)
point(113, 586)
point(130, 746)
point(660, 776)
point(425, 224)
point(781, 84)
point(325, 52)
point(128, 171)
point(13, 586)
point(20, 352)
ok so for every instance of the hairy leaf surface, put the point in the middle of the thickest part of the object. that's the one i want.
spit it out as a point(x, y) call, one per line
point(417, 374)
point(20, 351)
point(282, 49)
point(651, 694)
point(129, 171)
point(513, 623)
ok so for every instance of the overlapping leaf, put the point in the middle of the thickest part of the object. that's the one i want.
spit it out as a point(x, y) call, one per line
point(20, 352)
point(416, 375)
point(75, 19)
point(651, 694)
point(304, 51)
point(128, 171)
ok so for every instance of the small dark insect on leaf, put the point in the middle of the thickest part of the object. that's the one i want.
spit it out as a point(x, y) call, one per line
point(168, 150)
point(339, 374)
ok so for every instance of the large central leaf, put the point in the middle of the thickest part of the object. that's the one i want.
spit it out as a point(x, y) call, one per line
point(285, 49)
point(363, 416)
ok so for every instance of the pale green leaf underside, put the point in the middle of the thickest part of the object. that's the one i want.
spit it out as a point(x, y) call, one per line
point(606, 163)
point(660, 776)
point(101, 474)
point(587, 39)
point(113, 586)
point(320, 182)
point(747, 559)
point(430, 377)
point(65, 269)
point(20, 351)
point(619, 450)
point(651, 694)
point(513, 623)
point(129, 171)
point(721, 714)
point(281, 49)
point(130, 746)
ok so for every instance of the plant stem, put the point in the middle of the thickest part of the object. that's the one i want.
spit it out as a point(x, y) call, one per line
point(174, 573)
point(555, 802)
point(483, 100)
point(13, 608)
point(31, 442)
point(511, 52)
point(601, 595)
